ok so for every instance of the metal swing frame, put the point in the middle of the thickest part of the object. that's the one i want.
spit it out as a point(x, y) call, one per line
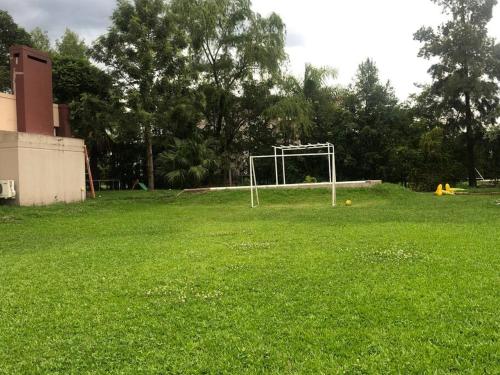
point(281, 152)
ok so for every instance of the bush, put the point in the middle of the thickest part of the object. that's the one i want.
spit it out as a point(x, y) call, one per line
point(310, 180)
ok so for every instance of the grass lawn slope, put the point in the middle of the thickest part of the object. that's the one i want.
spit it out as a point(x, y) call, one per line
point(139, 282)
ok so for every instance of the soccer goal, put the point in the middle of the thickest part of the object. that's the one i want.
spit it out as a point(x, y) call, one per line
point(326, 150)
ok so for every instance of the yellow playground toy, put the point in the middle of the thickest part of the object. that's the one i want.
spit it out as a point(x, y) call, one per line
point(448, 190)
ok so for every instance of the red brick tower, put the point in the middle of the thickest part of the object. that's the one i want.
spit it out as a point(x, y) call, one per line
point(32, 84)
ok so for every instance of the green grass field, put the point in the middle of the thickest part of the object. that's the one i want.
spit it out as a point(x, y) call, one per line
point(135, 283)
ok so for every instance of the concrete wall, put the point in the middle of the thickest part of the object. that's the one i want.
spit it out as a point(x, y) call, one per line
point(63, 127)
point(55, 112)
point(45, 169)
point(8, 115)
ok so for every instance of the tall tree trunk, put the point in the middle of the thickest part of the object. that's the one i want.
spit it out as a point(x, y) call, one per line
point(220, 115)
point(149, 159)
point(471, 162)
point(471, 165)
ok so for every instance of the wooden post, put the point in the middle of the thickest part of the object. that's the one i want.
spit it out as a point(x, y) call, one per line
point(89, 172)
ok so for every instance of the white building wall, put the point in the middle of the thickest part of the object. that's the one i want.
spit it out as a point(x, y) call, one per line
point(8, 114)
point(45, 169)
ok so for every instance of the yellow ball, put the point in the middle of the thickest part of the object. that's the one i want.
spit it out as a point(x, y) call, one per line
point(348, 202)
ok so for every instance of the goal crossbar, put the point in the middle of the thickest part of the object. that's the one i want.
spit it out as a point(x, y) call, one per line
point(303, 147)
point(290, 155)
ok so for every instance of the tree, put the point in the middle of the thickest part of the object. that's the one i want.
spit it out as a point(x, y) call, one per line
point(466, 75)
point(302, 105)
point(493, 152)
point(94, 109)
point(142, 50)
point(72, 77)
point(231, 46)
point(376, 124)
point(187, 163)
point(40, 39)
point(10, 34)
point(71, 45)
point(434, 144)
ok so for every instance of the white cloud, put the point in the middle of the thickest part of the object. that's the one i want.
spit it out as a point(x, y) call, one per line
point(342, 33)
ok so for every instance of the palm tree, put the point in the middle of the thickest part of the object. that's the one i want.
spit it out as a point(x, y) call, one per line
point(294, 113)
point(188, 162)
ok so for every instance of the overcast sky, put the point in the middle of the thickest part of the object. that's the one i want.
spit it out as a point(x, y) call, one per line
point(337, 33)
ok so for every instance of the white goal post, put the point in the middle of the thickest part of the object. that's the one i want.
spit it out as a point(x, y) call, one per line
point(283, 152)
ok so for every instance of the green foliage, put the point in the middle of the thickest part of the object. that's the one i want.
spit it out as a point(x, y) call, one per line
point(466, 74)
point(434, 164)
point(212, 70)
point(10, 34)
point(95, 108)
point(140, 282)
point(72, 77)
point(296, 111)
point(40, 39)
point(187, 163)
point(378, 128)
point(71, 45)
point(143, 51)
point(232, 47)
point(232, 43)
point(490, 155)
point(293, 114)
point(310, 180)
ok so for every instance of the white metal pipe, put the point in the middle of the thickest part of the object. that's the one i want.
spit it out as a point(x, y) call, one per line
point(291, 155)
point(276, 165)
point(334, 179)
point(327, 184)
point(283, 162)
point(251, 180)
point(329, 165)
point(255, 183)
point(305, 147)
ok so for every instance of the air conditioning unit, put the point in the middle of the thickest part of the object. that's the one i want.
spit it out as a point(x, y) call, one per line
point(7, 190)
